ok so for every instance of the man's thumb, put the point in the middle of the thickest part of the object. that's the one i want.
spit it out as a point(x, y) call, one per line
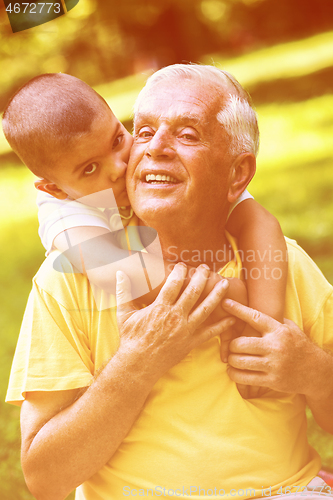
point(123, 294)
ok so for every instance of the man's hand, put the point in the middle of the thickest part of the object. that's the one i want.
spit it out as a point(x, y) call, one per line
point(283, 359)
point(167, 330)
point(280, 359)
point(249, 391)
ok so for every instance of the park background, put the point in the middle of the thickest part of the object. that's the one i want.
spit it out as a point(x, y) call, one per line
point(280, 50)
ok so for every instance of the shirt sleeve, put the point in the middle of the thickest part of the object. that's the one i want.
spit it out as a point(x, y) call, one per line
point(53, 350)
point(322, 329)
point(309, 297)
point(55, 216)
point(244, 196)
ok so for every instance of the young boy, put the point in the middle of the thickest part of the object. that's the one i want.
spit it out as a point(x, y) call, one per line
point(67, 135)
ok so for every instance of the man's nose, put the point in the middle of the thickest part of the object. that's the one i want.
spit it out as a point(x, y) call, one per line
point(161, 146)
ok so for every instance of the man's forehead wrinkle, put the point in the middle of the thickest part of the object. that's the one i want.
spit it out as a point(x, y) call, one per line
point(180, 105)
point(179, 118)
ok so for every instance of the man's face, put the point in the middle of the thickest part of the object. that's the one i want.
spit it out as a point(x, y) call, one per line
point(179, 163)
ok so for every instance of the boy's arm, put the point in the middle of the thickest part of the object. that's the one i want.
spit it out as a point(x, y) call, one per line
point(93, 250)
point(103, 258)
point(264, 256)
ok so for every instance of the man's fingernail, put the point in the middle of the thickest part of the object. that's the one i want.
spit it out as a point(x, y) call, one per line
point(227, 302)
point(225, 359)
point(205, 266)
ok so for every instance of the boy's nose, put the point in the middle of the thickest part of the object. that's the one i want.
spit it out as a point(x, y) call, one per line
point(117, 170)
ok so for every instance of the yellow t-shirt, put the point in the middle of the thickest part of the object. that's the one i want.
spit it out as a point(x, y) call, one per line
point(195, 435)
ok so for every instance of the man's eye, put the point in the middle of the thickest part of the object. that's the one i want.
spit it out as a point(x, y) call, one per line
point(117, 140)
point(188, 137)
point(145, 133)
point(90, 169)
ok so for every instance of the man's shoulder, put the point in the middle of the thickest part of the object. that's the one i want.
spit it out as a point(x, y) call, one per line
point(57, 277)
point(299, 262)
point(57, 280)
point(308, 291)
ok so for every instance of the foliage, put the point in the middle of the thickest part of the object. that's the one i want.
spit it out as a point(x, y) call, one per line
point(284, 60)
point(100, 41)
point(294, 179)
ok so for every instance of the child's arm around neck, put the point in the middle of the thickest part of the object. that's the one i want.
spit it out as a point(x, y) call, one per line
point(264, 255)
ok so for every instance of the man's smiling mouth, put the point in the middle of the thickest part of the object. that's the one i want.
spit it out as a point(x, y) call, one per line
point(160, 179)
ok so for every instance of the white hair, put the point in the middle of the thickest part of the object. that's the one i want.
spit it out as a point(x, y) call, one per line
point(237, 116)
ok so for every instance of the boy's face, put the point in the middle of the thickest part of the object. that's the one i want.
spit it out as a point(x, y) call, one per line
point(94, 161)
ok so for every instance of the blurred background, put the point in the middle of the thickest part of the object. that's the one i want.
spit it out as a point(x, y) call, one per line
point(280, 50)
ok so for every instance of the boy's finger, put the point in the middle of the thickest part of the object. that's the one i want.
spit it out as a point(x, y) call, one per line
point(257, 320)
point(123, 295)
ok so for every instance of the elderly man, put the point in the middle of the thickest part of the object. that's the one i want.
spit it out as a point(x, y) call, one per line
point(163, 417)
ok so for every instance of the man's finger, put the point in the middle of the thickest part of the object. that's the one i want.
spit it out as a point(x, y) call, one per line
point(250, 363)
point(248, 345)
point(259, 321)
point(123, 295)
point(173, 285)
point(207, 306)
point(290, 323)
point(248, 378)
point(208, 332)
point(226, 337)
point(194, 289)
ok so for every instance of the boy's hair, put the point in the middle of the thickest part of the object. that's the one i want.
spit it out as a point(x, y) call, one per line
point(237, 115)
point(46, 113)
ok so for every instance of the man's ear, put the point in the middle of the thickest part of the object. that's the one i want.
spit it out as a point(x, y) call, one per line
point(241, 172)
point(51, 188)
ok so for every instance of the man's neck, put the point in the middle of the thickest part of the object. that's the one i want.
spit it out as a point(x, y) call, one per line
point(195, 246)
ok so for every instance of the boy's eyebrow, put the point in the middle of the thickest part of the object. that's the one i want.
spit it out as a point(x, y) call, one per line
point(86, 162)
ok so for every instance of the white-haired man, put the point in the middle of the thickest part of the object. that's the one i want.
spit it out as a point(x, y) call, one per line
point(164, 417)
